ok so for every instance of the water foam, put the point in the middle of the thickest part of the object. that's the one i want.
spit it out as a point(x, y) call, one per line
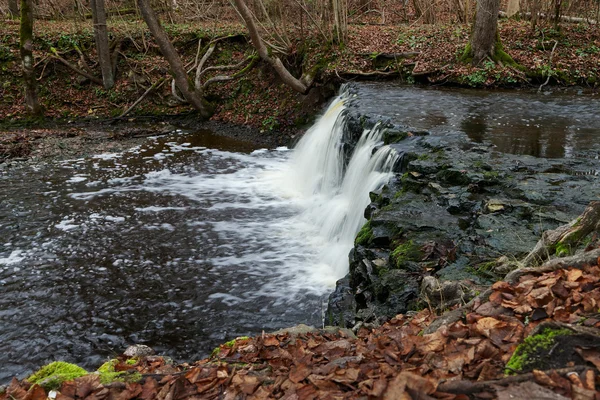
point(335, 195)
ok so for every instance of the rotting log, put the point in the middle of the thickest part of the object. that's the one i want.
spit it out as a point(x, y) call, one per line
point(563, 18)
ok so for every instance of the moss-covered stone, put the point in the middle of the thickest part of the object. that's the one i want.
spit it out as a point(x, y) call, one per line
point(54, 374)
point(406, 252)
point(109, 374)
point(365, 235)
point(528, 354)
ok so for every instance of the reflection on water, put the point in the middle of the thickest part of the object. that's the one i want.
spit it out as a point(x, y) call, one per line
point(555, 125)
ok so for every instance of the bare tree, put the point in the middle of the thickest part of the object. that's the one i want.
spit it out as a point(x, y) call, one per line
point(301, 85)
point(485, 39)
point(26, 49)
point(102, 46)
point(177, 69)
point(485, 30)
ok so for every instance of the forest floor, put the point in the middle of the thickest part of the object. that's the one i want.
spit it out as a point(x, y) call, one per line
point(422, 54)
point(536, 339)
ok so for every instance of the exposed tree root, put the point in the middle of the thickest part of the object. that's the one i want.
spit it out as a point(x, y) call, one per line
point(566, 235)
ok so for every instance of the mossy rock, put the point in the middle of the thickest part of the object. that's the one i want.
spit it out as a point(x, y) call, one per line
point(54, 374)
point(393, 136)
point(406, 253)
point(365, 235)
point(534, 351)
point(109, 374)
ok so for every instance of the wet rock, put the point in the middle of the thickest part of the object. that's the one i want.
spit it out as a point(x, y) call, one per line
point(450, 212)
point(138, 350)
point(341, 308)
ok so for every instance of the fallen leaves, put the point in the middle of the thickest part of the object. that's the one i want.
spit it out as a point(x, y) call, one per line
point(395, 361)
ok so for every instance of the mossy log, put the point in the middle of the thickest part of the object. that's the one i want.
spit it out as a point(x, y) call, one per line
point(562, 240)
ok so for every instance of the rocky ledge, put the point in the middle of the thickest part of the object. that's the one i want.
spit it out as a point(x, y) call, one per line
point(451, 220)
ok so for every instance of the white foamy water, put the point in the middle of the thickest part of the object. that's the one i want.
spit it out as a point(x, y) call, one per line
point(181, 251)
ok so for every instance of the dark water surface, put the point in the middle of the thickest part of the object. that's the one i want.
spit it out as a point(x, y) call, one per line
point(518, 122)
point(171, 244)
point(189, 240)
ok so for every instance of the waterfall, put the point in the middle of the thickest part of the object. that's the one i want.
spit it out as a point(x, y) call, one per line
point(336, 189)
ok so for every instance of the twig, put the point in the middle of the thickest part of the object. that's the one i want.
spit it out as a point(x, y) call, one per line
point(156, 85)
point(74, 68)
point(550, 66)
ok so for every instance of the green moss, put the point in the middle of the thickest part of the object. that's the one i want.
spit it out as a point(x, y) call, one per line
point(467, 55)
point(522, 359)
point(54, 374)
point(131, 361)
point(406, 252)
point(500, 55)
point(365, 235)
point(231, 343)
point(484, 270)
point(393, 136)
point(108, 374)
point(562, 250)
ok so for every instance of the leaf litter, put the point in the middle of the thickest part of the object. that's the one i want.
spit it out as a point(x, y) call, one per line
point(466, 359)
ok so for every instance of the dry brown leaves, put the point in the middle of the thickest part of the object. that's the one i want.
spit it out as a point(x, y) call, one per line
point(395, 361)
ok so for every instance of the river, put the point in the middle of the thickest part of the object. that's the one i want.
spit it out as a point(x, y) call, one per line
point(192, 239)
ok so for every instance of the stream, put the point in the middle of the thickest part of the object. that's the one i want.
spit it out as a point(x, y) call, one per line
point(193, 238)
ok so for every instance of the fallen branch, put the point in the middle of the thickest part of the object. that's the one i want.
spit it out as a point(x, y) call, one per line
point(368, 74)
point(155, 86)
point(74, 68)
point(564, 18)
point(577, 261)
point(568, 234)
point(470, 387)
point(550, 66)
point(391, 56)
point(564, 236)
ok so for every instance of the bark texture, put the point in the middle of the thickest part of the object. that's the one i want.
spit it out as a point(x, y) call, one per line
point(102, 45)
point(177, 68)
point(13, 8)
point(299, 85)
point(26, 47)
point(512, 8)
point(485, 30)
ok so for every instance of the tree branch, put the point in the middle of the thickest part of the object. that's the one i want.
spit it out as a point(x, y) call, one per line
point(74, 68)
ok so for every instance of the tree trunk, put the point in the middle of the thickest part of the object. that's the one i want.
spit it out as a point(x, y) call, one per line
point(485, 30)
point(102, 46)
point(535, 11)
point(177, 68)
point(26, 47)
point(512, 8)
point(557, 6)
point(287, 78)
point(13, 8)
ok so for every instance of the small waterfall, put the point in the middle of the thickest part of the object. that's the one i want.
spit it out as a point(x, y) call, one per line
point(337, 190)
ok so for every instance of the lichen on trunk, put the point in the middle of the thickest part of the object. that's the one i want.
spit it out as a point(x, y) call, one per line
point(26, 50)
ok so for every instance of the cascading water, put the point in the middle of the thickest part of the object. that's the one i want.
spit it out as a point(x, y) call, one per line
point(177, 245)
point(336, 194)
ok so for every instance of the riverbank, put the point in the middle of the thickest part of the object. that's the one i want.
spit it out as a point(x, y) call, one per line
point(459, 205)
point(427, 54)
point(496, 350)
